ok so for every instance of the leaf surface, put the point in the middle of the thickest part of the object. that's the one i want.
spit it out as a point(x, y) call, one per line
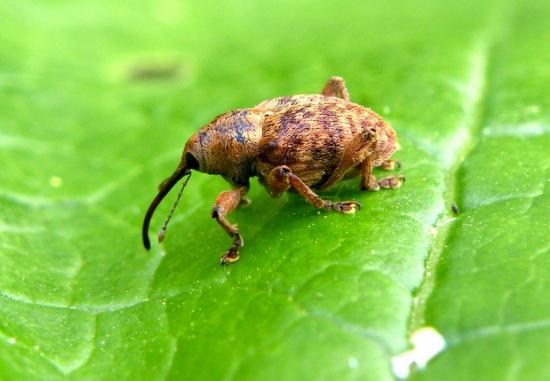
point(96, 101)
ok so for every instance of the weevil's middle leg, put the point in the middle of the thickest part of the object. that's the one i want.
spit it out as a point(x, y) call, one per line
point(336, 87)
point(227, 202)
point(281, 178)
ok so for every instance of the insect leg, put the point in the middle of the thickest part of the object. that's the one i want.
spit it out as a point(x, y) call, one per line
point(369, 181)
point(281, 177)
point(391, 182)
point(390, 165)
point(227, 202)
point(336, 87)
point(361, 146)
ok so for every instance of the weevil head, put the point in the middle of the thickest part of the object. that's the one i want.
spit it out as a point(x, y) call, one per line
point(226, 146)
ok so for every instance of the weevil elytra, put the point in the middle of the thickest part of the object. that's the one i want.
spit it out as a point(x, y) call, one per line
point(299, 143)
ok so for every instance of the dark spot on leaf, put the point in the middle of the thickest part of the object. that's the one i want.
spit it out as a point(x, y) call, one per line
point(154, 71)
point(455, 209)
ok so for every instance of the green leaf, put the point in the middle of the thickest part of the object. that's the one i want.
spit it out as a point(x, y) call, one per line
point(97, 99)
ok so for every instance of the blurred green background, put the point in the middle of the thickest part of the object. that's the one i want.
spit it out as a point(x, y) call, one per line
point(97, 99)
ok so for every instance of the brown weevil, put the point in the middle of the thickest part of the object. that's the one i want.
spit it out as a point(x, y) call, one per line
point(300, 142)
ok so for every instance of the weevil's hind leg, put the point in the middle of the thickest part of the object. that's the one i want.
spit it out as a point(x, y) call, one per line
point(227, 202)
point(336, 87)
point(281, 178)
point(391, 182)
point(390, 165)
point(355, 152)
point(369, 181)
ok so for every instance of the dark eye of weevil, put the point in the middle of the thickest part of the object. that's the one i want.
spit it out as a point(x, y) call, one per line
point(191, 162)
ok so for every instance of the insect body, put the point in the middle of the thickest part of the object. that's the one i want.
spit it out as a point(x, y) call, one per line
point(302, 142)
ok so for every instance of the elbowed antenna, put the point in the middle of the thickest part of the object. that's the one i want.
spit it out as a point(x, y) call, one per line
point(162, 232)
point(164, 188)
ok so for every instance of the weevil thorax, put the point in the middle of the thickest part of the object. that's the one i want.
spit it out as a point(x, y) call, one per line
point(228, 145)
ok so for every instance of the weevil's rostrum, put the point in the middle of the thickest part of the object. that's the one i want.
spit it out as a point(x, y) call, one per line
point(300, 143)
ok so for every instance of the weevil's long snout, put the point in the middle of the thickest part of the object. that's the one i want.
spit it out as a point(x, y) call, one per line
point(164, 189)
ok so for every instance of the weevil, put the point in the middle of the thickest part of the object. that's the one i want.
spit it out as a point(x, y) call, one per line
point(300, 143)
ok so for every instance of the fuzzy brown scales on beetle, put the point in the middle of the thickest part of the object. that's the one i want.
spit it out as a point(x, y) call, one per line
point(301, 142)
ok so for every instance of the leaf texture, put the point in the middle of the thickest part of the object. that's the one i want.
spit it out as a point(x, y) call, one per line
point(97, 99)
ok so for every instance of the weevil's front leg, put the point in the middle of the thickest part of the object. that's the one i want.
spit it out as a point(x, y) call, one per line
point(369, 181)
point(336, 87)
point(227, 202)
point(281, 178)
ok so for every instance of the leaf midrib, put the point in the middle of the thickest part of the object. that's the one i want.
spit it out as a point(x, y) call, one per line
point(472, 122)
